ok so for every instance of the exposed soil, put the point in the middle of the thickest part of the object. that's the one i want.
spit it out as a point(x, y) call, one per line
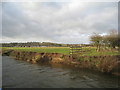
point(105, 64)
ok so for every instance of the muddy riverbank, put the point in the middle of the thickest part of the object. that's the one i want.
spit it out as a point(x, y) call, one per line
point(105, 64)
point(21, 74)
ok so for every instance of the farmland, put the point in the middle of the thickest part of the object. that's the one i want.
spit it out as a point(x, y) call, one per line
point(86, 51)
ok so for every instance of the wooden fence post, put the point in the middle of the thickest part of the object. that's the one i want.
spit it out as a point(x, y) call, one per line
point(75, 50)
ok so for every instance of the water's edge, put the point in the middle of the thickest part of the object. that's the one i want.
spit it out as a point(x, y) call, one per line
point(105, 64)
point(21, 74)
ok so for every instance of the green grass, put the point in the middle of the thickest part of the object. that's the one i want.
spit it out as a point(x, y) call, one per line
point(92, 52)
point(63, 50)
point(87, 51)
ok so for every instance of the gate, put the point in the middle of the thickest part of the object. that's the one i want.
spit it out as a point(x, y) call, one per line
point(75, 50)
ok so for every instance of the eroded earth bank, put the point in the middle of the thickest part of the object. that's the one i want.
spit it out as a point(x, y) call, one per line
point(105, 64)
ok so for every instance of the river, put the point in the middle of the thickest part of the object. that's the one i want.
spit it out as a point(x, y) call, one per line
point(21, 74)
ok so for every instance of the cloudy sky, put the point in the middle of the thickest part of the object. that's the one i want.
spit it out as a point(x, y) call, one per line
point(60, 22)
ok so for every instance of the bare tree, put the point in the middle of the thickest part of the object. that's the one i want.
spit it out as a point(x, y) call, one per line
point(110, 40)
point(96, 39)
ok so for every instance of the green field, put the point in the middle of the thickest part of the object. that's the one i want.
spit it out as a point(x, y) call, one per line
point(63, 50)
point(86, 51)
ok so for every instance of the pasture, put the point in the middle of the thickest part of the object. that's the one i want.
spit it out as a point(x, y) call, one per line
point(86, 51)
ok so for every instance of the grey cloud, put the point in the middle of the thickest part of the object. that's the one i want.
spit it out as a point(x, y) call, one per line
point(56, 22)
point(0, 22)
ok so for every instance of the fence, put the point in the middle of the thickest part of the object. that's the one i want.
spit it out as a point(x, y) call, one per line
point(75, 50)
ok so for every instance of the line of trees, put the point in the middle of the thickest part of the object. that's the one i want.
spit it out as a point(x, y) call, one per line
point(32, 44)
point(111, 41)
point(40, 44)
point(36, 44)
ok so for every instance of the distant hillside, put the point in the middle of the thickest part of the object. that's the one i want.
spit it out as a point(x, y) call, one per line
point(39, 44)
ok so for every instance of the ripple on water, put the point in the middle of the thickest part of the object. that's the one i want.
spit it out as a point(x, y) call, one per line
point(22, 74)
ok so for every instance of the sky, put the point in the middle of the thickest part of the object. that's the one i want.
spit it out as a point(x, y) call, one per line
point(59, 22)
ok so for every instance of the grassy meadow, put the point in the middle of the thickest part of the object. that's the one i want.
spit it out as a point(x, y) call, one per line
point(63, 50)
point(86, 51)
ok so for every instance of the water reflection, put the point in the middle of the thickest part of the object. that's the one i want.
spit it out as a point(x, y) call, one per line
point(21, 74)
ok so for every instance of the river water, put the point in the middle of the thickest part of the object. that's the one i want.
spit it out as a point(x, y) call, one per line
point(21, 74)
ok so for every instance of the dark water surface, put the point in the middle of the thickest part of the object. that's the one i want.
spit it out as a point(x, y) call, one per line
point(21, 74)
